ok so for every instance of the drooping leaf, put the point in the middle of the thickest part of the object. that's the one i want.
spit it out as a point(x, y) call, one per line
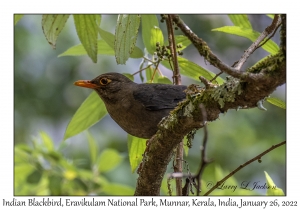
point(241, 21)
point(151, 33)
point(192, 70)
point(103, 48)
point(17, 18)
point(137, 53)
point(87, 31)
point(270, 46)
point(125, 37)
point(272, 188)
point(52, 26)
point(109, 38)
point(136, 148)
point(108, 160)
point(277, 102)
point(91, 111)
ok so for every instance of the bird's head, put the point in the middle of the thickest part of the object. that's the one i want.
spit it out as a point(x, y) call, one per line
point(108, 85)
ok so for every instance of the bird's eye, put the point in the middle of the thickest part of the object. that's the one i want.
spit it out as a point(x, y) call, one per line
point(104, 81)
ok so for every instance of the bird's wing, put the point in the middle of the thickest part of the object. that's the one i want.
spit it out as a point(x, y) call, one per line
point(159, 96)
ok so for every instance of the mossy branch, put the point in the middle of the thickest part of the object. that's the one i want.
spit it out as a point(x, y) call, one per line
point(241, 90)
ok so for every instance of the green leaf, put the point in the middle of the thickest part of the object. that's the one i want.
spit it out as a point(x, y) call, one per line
point(271, 16)
point(149, 75)
point(48, 143)
point(91, 111)
point(136, 148)
point(272, 188)
point(137, 53)
point(151, 33)
point(241, 21)
point(17, 18)
point(55, 184)
point(193, 70)
point(103, 48)
point(87, 31)
point(92, 147)
point(277, 102)
point(108, 160)
point(52, 26)
point(156, 37)
point(125, 38)
point(270, 46)
point(182, 40)
point(129, 76)
point(109, 38)
point(34, 177)
point(117, 189)
point(164, 80)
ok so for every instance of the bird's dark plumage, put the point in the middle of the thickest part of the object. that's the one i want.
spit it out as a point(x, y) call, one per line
point(137, 108)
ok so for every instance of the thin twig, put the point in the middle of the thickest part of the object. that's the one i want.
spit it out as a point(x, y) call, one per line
point(141, 70)
point(204, 160)
point(258, 157)
point(172, 44)
point(156, 67)
point(269, 36)
point(275, 23)
point(177, 81)
point(215, 77)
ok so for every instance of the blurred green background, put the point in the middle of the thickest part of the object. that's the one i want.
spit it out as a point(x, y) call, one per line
point(45, 99)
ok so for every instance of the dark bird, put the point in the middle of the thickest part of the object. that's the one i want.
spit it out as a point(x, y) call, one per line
point(137, 108)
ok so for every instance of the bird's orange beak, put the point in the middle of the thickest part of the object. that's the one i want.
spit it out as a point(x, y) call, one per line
point(85, 83)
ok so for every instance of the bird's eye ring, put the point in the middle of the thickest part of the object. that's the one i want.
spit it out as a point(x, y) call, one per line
point(104, 81)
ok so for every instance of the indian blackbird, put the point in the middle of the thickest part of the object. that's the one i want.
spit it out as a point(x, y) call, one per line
point(137, 108)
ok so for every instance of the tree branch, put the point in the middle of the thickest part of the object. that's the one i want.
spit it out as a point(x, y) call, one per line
point(241, 90)
point(204, 50)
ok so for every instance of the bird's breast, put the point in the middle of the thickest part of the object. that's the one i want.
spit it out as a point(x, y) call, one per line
point(134, 118)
